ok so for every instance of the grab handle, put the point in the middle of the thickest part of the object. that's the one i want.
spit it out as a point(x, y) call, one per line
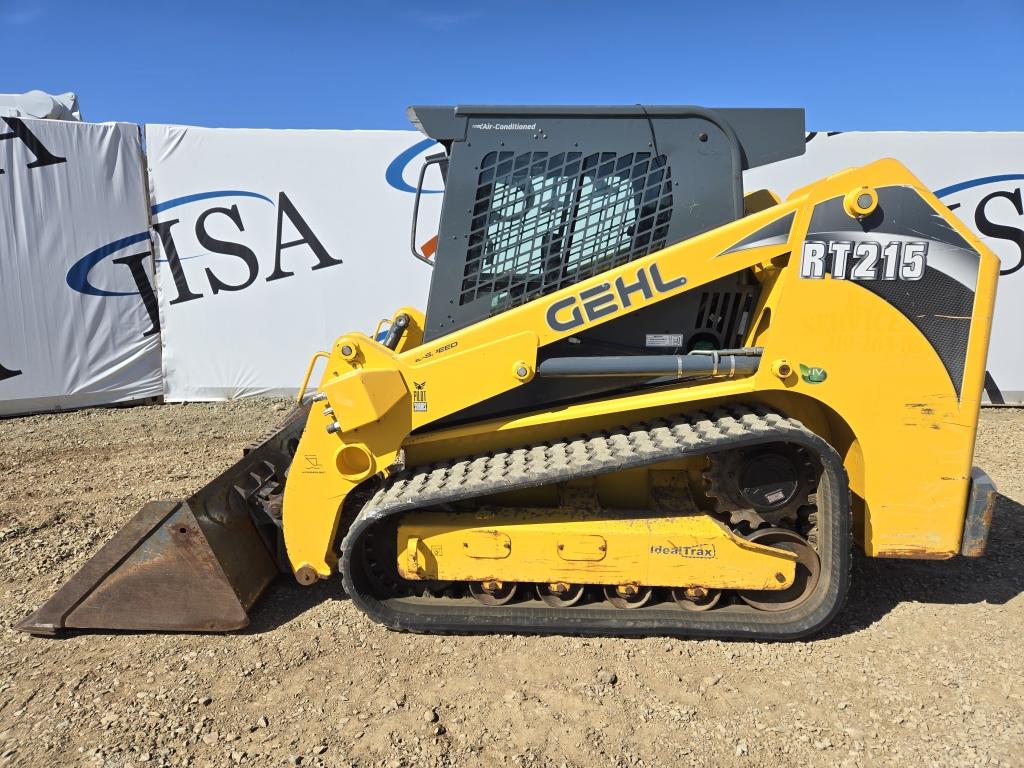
point(309, 372)
point(441, 157)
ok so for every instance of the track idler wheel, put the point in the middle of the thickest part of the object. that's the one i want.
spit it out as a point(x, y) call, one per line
point(628, 596)
point(696, 598)
point(560, 594)
point(808, 569)
point(492, 593)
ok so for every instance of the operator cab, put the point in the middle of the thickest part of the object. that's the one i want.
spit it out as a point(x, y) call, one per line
point(539, 198)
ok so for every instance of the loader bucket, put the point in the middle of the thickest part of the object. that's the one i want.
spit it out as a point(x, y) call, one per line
point(196, 565)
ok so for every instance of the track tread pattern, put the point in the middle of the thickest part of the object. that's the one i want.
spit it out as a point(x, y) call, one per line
point(591, 454)
point(553, 462)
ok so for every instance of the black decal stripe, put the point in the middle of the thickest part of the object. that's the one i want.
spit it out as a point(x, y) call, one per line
point(901, 211)
point(940, 308)
point(775, 233)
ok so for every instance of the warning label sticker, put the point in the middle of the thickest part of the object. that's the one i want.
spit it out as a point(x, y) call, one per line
point(664, 339)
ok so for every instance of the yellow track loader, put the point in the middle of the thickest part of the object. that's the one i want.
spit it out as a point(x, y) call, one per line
point(639, 401)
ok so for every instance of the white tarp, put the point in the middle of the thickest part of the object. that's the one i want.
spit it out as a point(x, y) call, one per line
point(979, 175)
point(273, 243)
point(74, 249)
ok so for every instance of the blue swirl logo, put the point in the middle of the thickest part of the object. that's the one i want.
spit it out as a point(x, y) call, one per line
point(394, 175)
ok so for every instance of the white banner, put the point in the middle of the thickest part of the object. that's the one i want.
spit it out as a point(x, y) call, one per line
point(75, 265)
point(271, 244)
point(978, 175)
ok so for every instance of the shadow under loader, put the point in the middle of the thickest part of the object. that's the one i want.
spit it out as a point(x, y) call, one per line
point(879, 585)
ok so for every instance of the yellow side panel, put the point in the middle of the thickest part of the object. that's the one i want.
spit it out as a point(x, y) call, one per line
point(910, 460)
point(365, 396)
point(547, 546)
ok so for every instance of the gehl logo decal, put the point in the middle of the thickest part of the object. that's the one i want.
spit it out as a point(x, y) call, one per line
point(607, 298)
point(863, 260)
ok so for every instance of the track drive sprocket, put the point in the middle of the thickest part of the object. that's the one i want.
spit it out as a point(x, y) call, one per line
point(760, 487)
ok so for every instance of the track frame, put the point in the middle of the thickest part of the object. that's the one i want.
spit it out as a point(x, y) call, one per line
point(588, 455)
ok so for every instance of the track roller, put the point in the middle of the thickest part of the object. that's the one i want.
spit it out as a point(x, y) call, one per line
point(696, 598)
point(627, 596)
point(493, 592)
point(560, 594)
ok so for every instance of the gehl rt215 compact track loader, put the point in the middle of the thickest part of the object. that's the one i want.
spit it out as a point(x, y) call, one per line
point(639, 401)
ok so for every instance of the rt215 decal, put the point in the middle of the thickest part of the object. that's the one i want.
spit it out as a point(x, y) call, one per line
point(864, 260)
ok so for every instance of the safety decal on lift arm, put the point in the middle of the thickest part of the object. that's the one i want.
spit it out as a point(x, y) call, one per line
point(419, 396)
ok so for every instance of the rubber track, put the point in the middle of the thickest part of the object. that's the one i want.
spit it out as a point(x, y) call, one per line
point(593, 454)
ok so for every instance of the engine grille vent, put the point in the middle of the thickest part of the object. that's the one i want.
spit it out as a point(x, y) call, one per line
point(726, 314)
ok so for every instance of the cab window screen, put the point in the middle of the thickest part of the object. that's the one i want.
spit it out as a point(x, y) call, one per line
point(542, 221)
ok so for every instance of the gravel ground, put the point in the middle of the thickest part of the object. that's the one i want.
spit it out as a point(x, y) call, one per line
point(922, 668)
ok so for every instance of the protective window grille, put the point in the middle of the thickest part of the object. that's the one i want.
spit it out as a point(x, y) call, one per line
point(543, 221)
